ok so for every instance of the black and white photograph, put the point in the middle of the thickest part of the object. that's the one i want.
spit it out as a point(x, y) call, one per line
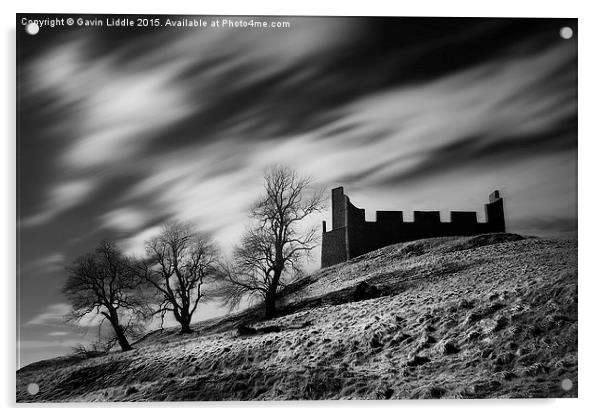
point(295, 208)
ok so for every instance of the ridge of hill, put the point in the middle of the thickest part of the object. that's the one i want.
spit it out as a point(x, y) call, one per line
point(487, 316)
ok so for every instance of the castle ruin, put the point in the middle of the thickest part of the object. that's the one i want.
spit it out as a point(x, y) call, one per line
point(352, 235)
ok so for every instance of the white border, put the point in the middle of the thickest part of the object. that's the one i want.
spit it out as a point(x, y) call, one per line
point(590, 124)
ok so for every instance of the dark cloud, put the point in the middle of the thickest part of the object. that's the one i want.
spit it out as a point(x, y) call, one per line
point(477, 150)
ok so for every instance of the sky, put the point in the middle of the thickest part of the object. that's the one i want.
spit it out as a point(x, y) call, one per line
point(123, 129)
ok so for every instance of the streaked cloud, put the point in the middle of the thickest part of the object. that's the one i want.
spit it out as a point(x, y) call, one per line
point(90, 320)
point(124, 219)
point(61, 197)
point(51, 262)
point(114, 110)
point(53, 315)
point(413, 130)
point(135, 245)
point(58, 333)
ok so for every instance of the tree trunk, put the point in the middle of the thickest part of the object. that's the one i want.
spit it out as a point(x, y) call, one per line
point(270, 297)
point(270, 306)
point(121, 339)
point(185, 329)
point(185, 324)
point(113, 318)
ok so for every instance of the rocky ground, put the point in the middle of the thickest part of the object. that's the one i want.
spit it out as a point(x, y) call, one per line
point(492, 316)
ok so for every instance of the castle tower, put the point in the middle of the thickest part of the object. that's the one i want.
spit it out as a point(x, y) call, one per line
point(335, 243)
point(339, 208)
point(494, 213)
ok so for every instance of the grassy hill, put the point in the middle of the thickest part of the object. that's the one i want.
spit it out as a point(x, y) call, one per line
point(460, 317)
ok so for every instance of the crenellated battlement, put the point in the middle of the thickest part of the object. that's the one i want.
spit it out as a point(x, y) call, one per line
point(353, 236)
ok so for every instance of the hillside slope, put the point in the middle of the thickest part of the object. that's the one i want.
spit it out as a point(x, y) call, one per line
point(470, 317)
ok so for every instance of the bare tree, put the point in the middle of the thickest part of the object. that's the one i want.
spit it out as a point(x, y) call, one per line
point(179, 261)
point(102, 282)
point(272, 250)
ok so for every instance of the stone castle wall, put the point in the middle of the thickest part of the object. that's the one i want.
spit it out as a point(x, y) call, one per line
point(353, 236)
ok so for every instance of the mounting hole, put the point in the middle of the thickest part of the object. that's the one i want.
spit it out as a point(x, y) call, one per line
point(32, 28)
point(33, 388)
point(566, 32)
point(566, 384)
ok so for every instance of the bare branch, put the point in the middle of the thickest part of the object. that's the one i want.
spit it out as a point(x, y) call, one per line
point(102, 283)
point(271, 251)
point(178, 261)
